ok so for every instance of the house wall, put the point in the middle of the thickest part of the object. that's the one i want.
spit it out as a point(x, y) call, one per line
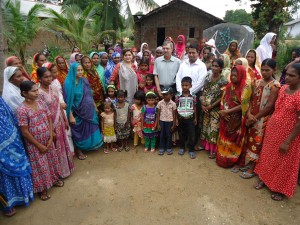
point(294, 29)
point(176, 19)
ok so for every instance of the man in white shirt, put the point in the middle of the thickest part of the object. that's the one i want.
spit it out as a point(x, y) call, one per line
point(194, 68)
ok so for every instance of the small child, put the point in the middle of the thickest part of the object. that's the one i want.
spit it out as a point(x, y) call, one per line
point(187, 117)
point(122, 120)
point(150, 84)
point(108, 122)
point(142, 73)
point(149, 122)
point(166, 121)
point(139, 99)
point(112, 94)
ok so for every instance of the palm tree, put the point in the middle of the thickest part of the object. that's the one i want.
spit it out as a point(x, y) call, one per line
point(20, 30)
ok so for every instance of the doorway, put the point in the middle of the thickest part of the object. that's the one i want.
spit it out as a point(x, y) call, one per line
point(161, 34)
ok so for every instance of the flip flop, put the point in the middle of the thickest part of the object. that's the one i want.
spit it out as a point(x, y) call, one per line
point(212, 156)
point(44, 196)
point(12, 212)
point(246, 175)
point(245, 168)
point(106, 151)
point(260, 185)
point(59, 183)
point(277, 196)
point(235, 170)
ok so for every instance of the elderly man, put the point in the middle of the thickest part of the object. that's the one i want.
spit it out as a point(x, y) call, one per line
point(166, 68)
point(194, 68)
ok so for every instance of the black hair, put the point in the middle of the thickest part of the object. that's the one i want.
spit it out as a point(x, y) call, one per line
point(127, 50)
point(52, 66)
point(26, 86)
point(194, 46)
point(144, 61)
point(150, 95)
point(108, 102)
point(187, 79)
point(74, 49)
point(296, 66)
point(139, 95)
point(41, 71)
point(151, 76)
point(220, 62)
point(115, 90)
point(121, 93)
point(95, 54)
point(208, 48)
point(269, 62)
point(37, 57)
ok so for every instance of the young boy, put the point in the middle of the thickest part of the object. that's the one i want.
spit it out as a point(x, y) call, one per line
point(187, 117)
point(166, 120)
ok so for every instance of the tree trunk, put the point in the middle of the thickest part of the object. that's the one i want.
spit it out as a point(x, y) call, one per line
point(2, 66)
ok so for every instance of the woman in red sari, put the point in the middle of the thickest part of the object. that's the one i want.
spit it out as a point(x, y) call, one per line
point(38, 60)
point(16, 61)
point(62, 69)
point(279, 161)
point(91, 74)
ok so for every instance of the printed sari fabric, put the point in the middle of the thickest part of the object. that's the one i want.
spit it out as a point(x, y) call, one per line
point(15, 170)
point(62, 73)
point(256, 132)
point(232, 133)
point(79, 99)
point(233, 55)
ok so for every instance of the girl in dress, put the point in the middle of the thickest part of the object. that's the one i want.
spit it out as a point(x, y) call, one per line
point(136, 119)
point(149, 121)
point(150, 84)
point(49, 95)
point(112, 94)
point(36, 127)
point(122, 120)
point(142, 73)
point(108, 118)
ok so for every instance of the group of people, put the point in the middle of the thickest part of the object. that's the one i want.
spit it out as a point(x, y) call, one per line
point(229, 105)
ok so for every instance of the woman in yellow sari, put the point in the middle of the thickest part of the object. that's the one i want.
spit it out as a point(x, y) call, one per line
point(62, 69)
point(38, 60)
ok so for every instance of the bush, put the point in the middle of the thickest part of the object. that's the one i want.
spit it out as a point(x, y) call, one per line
point(284, 52)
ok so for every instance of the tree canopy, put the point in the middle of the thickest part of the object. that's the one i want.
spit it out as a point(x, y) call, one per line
point(239, 16)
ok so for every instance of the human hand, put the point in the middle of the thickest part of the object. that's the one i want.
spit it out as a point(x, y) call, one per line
point(72, 120)
point(63, 106)
point(284, 147)
point(42, 148)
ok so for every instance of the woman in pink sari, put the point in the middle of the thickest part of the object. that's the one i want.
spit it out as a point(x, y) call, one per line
point(180, 46)
point(49, 94)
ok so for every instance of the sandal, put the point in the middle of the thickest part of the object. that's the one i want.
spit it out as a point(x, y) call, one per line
point(81, 156)
point(212, 156)
point(152, 150)
point(246, 175)
point(127, 148)
point(120, 149)
point(181, 151)
point(260, 185)
point(145, 149)
point(161, 152)
point(114, 149)
point(245, 168)
point(277, 196)
point(58, 183)
point(192, 155)
point(106, 151)
point(11, 212)
point(235, 170)
point(44, 196)
point(198, 148)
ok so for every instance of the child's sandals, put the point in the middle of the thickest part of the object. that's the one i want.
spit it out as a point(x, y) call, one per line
point(127, 148)
point(106, 151)
point(145, 149)
point(152, 150)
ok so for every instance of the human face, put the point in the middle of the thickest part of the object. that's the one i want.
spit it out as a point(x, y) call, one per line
point(149, 81)
point(158, 54)
point(216, 69)
point(104, 59)
point(107, 108)
point(145, 47)
point(128, 57)
point(46, 79)
point(17, 62)
point(79, 72)
point(150, 101)
point(292, 77)
point(33, 94)
point(294, 56)
point(233, 47)
point(137, 101)
point(206, 53)
point(78, 58)
point(146, 55)
point(121, 98)
point(234, 76)
point(186, 87)
point(95, 59)
point(17, 78)
point(193, 55)
point(138, 59)
point(116, 60)
point(54, 72)
point(86, 64)
point(134, 52)
point(111, 92)
point(267, 72)
point(144, 67)
point(75, 50)
point(273, 39)
point(167, 50)
point(110, 52)
point(238, 62)
point(167, 96)
point(41, 60)
point(61, 63)
point(251, 58)
point(179, 40)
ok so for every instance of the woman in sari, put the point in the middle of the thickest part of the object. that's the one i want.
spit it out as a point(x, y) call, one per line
point(111, 66)
point(253, 65)
point(11, 87)
point(91, 74)
point(233, 52)
point(62, 69)
point(264, 95)
point(279, 160)
point(234, 105)
point(180, 46)
point(38, 60)
point(226, 71)
point(124, 76)
point(81, 112)
point(94, 56)
point(15, 170)
point(16, 61)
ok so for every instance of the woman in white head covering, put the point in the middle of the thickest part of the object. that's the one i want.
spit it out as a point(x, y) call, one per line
point(212, 44)
point(265, 50)
point(11, 92)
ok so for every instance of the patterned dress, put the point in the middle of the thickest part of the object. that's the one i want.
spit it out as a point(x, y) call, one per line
point(137, 120)
point(122, 129)
point(255, 133)
point(149, 122)
point(109, 128)
point(211, 121)
point(61, 140)
point(280, 171)
point(46, 167)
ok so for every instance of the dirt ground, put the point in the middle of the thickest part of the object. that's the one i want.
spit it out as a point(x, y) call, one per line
point(130, 188)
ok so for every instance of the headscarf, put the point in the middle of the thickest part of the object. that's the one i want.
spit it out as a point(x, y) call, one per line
point(212, 44)
point(34, 68)
point(141, 49)
point(62, 74)
point(257, 63)
point(264, 50)
point(245, 64)
point(99, 68)
point(73, 58)
point(180, 47)
point(233, 55)
point(11, 93)
point(227, 66)
point(118, 49)
point(9, 62)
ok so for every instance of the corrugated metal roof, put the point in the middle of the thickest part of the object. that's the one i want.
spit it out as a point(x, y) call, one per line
point(292, 22)
point(27, 5)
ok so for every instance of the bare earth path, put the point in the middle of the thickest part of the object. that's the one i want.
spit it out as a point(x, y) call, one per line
point(130, 188)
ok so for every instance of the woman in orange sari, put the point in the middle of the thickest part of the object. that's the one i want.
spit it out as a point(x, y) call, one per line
point(93, 77)
point(38, 60)
point(62, 69)
point(233, 51)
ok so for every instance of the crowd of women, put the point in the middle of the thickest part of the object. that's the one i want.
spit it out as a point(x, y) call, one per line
point(249, 122)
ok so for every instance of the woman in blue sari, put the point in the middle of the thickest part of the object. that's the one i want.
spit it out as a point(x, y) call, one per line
point(15, 170)
point(81, 112)
point(110, 67)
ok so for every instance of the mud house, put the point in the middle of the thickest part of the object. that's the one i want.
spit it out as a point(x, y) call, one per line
point(175, 18)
